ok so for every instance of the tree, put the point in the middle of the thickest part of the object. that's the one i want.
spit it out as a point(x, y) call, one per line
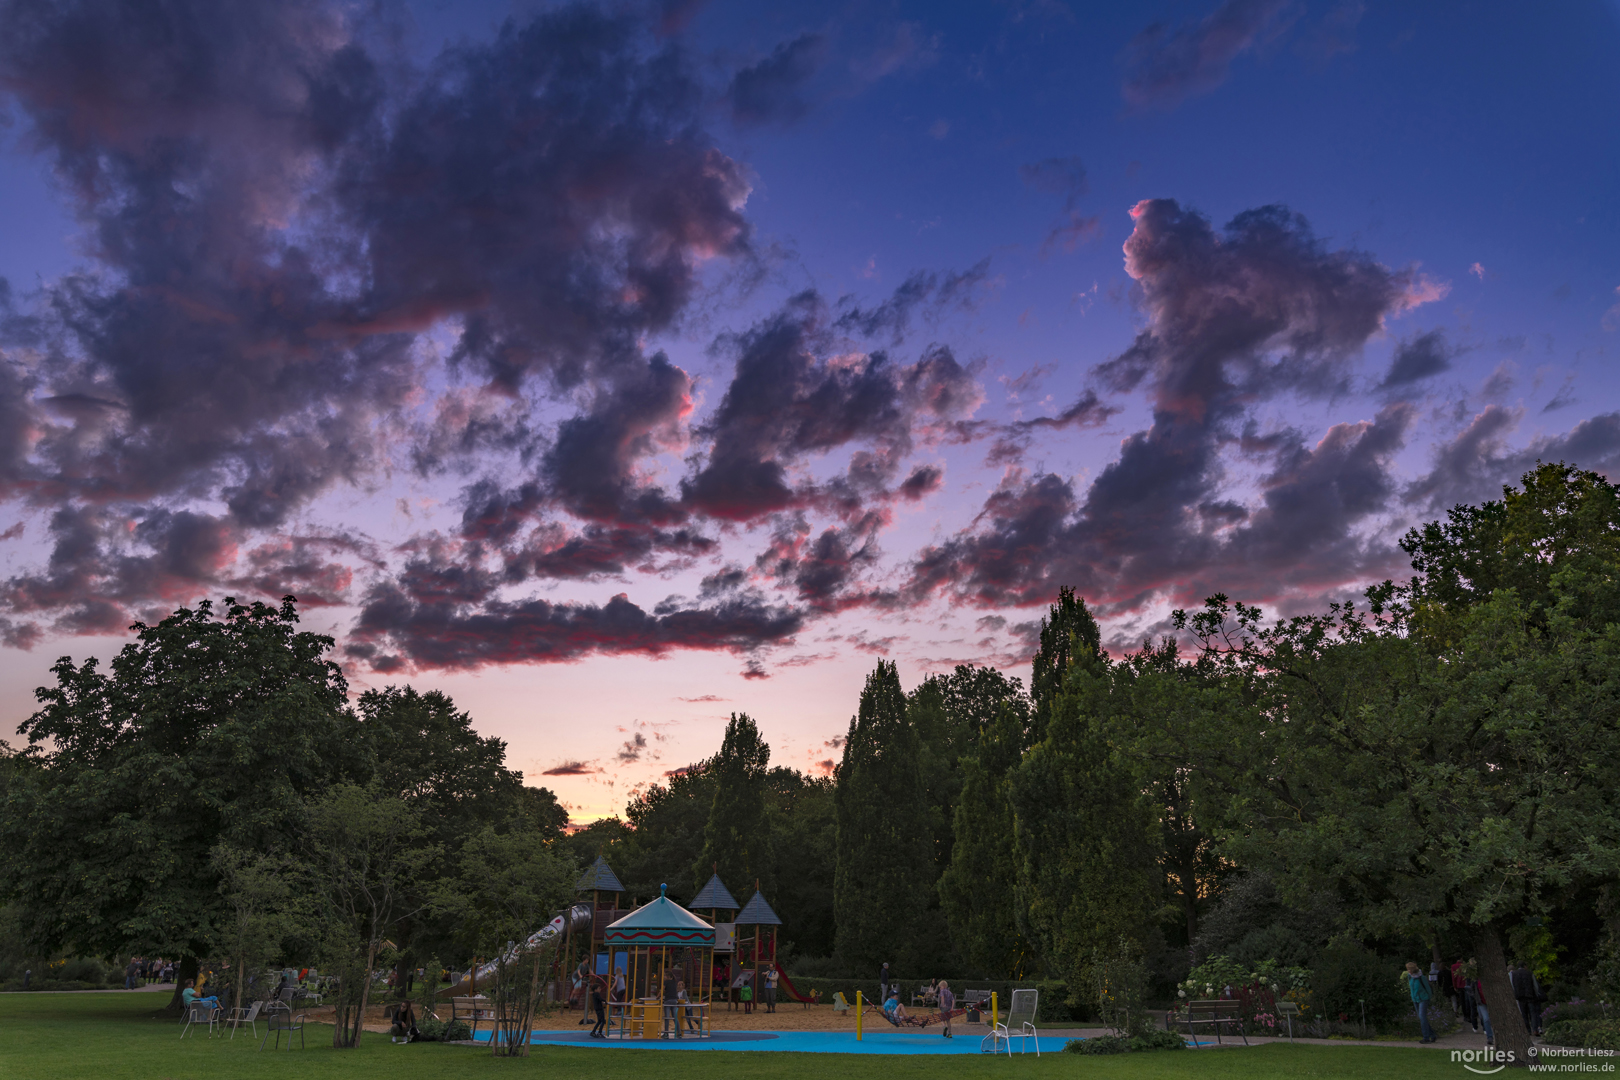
point(668, 822)
point(363, 852)
point(1068, 631)
point(426, 752)
point(261, 910)
point(506, 887)
point(1083, 827)
point(1448, 759)
point(205, 730)
point(976, 889)
point(885, 866)
point(737, 836)
point(803, 848)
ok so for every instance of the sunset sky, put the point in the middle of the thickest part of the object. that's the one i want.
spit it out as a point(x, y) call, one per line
point(615, 367)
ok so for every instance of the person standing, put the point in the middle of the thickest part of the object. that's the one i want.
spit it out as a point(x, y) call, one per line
point(132, 973)
point(599, 1007)
point(1481, 1009)
point(1418, 987)
point(883, 982)
point(770, 989)
point(672, 1000)
point(947, 1002)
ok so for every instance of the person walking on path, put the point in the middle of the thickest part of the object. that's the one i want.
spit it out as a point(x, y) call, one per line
point(947, 1002)
point(1418, 987)
point(1528, 993)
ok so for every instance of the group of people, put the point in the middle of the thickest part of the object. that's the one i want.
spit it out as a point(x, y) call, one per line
point(1460, 984)
point(937, 994)
point(140, 971)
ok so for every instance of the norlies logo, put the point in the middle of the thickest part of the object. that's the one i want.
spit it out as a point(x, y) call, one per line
point(1483, 1062)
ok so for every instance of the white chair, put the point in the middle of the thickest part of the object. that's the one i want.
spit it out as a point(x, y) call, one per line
point(1020, 1025)
point(249, 1016)
point(200, 1012)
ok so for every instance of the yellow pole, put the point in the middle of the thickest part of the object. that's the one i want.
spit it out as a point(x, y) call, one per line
point(858, 1011)
point(993, 1014)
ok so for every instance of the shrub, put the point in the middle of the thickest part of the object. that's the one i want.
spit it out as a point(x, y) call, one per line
point(1152, 1039)
point(444, 1030)
point(1595, 1034)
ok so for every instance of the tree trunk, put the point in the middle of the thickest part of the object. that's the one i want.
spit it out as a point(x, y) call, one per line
point(186, 969)
point(402, 975)
point(1512, 1037)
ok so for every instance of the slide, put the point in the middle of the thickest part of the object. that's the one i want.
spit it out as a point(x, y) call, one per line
point(787, 984)
point(577, 917)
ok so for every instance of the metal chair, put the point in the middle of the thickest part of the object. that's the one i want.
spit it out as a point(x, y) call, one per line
point(279, 1017)
point(200, 1012)
point(1020, 1015)
point(249, 1016)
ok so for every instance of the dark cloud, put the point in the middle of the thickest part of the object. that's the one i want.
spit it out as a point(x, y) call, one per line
point(1474, 465)
point(925, 292)
point(772, 91)
point(632, 749)
point(791, 397)
point(571, 768)
point(444, 635)
point(1259, 310)
point(276, 208)
point(1418, 359)
point(924, 480)
point(1165, 66)
point(1088, 410)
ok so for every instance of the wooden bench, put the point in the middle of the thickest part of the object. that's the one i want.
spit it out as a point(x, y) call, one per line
point(1215, 1014)
point(472, 1010)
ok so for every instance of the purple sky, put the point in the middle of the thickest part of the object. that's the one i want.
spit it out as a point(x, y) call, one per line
point(613, 368)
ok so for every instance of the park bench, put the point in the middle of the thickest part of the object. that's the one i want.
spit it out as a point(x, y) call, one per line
point(1214, 1014)
point(473, 1010)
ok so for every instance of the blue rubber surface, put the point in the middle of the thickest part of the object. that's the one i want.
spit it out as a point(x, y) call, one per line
point(799, 1042)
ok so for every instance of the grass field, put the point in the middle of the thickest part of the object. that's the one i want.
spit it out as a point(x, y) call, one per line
point(113, 1036)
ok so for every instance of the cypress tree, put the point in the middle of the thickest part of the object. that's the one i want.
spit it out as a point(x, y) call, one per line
point(1068, 632)
point(737, 836)
point(884, 870)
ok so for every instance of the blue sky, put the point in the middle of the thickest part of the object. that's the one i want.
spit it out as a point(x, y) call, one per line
point(615, 368)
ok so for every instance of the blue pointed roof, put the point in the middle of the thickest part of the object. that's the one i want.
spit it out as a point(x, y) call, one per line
point(714, 896)
point(758, 913)
point(662, 922)
point(600, 877)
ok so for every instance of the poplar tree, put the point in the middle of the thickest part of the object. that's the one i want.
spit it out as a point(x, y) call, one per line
point(737, 836)
point(884, 867)
point(1087, 860)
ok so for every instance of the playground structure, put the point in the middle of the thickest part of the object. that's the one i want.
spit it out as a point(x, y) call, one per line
point(574, 918)
point(651, 948)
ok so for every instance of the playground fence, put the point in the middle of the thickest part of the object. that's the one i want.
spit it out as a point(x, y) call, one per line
point(1054, 1008)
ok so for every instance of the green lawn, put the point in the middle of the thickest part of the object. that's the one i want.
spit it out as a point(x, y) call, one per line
point(112, 1036)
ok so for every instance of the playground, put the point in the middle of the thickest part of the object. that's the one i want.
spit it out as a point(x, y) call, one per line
point(116, 1036)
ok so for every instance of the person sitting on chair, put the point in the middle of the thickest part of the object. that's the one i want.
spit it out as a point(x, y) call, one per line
point(892, 1007)
point(189, 995)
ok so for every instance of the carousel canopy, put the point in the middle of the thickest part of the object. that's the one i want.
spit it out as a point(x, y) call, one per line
point(662, 922)
point(758, 913)
point(600, 877)
point(714, 897)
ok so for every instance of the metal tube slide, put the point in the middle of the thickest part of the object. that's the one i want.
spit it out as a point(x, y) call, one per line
point(577, 917)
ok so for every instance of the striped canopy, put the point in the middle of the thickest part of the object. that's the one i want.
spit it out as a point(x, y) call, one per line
point(662, 922)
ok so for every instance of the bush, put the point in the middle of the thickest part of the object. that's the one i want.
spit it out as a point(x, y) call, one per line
point(1118, 1044)
point(1572, 1010)
point(1595, 1034)
point(444, 1030)
point(1347, 973)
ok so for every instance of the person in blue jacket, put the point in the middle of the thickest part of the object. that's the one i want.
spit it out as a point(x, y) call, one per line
point(1418, 986)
